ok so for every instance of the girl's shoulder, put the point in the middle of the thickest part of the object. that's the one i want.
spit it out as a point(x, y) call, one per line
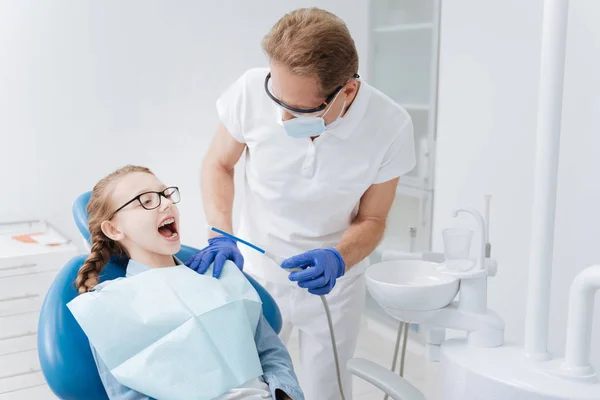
point(103, 284)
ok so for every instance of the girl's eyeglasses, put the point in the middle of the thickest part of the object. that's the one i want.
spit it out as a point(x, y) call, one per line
point(152, 200)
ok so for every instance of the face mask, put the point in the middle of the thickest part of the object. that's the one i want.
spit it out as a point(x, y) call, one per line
point(307, 127)
point(338, 120)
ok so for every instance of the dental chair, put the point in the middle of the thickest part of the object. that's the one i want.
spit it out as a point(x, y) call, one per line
point(66, 358)
point(63, 349)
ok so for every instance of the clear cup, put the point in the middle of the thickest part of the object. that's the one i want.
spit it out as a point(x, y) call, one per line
point(457, 247)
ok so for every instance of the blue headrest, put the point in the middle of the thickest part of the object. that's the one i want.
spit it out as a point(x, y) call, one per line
point(80, 214)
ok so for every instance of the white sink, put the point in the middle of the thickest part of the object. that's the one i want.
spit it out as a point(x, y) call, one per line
point(410, 285)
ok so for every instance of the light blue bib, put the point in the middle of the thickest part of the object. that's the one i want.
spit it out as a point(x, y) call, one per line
point(172, 333)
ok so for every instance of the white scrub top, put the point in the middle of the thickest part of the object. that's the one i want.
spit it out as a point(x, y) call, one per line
point(302, 194)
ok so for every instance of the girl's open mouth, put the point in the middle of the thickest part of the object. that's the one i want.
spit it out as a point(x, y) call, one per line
point(168, 229)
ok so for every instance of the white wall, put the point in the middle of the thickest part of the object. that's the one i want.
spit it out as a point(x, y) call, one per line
point(88, 86)
point(489, 71)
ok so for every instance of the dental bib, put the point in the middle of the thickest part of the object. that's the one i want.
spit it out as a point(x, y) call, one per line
point(172, 333)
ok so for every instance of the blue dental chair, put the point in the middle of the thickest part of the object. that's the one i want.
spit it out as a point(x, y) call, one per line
point(63, 349)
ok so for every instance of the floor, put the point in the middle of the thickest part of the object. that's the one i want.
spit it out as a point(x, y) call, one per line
point(380, 348)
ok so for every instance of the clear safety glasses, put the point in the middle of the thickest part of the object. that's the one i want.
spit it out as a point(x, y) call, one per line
point(300, 112)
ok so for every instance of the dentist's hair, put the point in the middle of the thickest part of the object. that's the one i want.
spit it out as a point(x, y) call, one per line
point(100, 209)
point(312, 42)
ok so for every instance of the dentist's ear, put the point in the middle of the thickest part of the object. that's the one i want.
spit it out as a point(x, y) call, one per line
point(351, 89)
point(112, 231)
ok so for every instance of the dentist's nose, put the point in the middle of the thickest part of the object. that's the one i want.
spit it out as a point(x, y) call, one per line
point(286, 115)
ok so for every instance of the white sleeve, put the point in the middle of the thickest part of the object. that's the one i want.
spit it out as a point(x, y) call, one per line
point(230, 106)
point(400, 157)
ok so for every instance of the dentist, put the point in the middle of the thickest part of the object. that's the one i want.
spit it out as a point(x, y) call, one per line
point(323, 155)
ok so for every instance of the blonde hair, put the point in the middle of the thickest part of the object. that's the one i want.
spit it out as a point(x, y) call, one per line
point(100, 209)
point(315, 43)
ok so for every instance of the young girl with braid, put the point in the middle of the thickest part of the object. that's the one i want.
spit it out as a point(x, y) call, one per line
point(133, 214)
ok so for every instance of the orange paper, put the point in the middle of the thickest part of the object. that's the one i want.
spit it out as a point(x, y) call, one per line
point(27, 238)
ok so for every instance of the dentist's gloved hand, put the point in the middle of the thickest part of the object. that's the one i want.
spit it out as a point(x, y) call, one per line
point(219, 250)
point(321, 268)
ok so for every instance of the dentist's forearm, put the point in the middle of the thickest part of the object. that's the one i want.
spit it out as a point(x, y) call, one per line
point(368, 227)
point(360, 239)
point(217, 195)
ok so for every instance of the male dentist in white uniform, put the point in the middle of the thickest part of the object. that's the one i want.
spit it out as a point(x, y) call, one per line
point(324, 152)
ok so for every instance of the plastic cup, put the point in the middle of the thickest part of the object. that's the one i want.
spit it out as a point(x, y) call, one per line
point(457, 244)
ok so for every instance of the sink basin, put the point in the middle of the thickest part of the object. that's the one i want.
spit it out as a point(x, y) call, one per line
point(410, 285)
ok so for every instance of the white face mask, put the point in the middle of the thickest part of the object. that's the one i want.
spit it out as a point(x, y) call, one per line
point(338, 120)
point(307, 127)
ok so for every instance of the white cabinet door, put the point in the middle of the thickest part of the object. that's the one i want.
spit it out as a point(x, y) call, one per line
point(409, 222)
point(403, 58)
point(39, 392)
point(27, 269)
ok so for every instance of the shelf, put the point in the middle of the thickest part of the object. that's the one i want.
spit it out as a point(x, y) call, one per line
point(384, 13)
point(416, 107)
point(403, 27)
point(405, 189)
point(11, 247)
point(401, 66)
point(414, 182)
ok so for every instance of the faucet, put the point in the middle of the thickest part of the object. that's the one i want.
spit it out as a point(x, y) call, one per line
point(473, 285)
point(482, 231)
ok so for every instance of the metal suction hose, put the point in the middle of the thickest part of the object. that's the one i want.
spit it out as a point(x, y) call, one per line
point(334, 346)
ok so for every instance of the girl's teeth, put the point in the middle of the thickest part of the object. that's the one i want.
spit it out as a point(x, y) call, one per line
point(167, 222)
point(174, 235)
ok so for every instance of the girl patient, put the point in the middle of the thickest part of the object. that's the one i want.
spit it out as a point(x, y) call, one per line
point(132, 214)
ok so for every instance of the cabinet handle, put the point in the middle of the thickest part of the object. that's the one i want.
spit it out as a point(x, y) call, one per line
point(13, 267)
point(28, 333)
point(29, 371)
point(28, 273)
point(22, 297)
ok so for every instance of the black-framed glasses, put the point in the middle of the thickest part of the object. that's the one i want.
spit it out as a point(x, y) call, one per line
point(152, 200)
point(317, 109)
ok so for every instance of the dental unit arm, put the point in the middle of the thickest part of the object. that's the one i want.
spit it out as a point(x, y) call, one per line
point(389, 382)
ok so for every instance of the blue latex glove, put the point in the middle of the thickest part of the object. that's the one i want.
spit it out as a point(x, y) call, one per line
point(321, 268)
point(219, 250)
